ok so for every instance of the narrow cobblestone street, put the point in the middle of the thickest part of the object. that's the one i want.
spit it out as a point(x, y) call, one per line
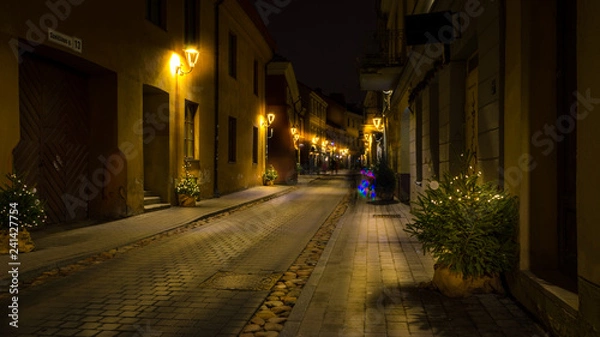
point(293, 266)
point(204, 282)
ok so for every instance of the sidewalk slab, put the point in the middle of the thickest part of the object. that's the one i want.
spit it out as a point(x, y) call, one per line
point(370, 282)
point(58, 249)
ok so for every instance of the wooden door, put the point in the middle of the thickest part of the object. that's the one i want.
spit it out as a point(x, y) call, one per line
point(53, 149)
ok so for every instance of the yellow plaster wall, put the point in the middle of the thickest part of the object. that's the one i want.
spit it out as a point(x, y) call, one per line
point(237, 99)
point(130, 140)
point(516, 123)
point(9, 107)
point(139, 53)
point(588, 141)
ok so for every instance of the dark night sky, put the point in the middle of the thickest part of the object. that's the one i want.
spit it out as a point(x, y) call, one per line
point(323, 39)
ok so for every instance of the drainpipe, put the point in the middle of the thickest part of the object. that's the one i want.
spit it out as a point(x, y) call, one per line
point(216, 192)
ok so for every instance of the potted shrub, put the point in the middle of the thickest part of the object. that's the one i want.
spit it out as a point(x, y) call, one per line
point(270, 176)
point(469, 228)
point(187, 189)
point(21, 209)
point(385, 181)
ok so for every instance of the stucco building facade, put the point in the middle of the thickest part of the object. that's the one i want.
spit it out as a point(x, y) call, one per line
point(315, 125)
point(283, 100)
point(95, 112)
point(512, 82)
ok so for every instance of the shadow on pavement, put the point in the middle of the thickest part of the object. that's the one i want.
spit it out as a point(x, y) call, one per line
point(422, 310)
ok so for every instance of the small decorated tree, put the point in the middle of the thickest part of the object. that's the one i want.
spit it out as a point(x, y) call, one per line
point(270, 175)
point(469, 228)
point(187, 188)
point(21, 209)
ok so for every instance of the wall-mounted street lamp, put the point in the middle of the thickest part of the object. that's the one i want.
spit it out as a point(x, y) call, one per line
point(380, 126)
point(267, 124)
point(296, 136)
point(270, 119)
point(191, 56)
point(377, 122)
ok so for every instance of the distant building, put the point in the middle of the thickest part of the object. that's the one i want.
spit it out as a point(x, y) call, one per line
point(354, 137)
point(313, 151)
point(95, 113)
point(283, 100)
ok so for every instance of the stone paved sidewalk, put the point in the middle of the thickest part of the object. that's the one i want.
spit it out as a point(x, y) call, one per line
point(369, 283)
point(56, 249)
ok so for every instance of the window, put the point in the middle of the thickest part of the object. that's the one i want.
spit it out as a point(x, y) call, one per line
point(191, 23)
point(232, 140)
point(419, 139)
point(255, 145)
point(255, 77)
point(156, 12)
point(232, 55)
point(189, 129)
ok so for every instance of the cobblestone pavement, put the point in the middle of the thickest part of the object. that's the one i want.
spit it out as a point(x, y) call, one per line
point(207, 281)
point(369, 282)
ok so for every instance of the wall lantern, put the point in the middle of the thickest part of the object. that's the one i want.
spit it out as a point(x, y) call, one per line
point(377, 122)
point(191, 55)
point(270, 118)
point(293, 129)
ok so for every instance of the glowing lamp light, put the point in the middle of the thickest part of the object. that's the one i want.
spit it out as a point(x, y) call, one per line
point(191, 56)
point(270, 118)
point(377, 122)
point(296, 137)
point(293, 129)
point(175, 63)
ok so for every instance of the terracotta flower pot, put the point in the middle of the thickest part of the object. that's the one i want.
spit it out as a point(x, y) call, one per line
point(453, 284)
point(186, 200)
